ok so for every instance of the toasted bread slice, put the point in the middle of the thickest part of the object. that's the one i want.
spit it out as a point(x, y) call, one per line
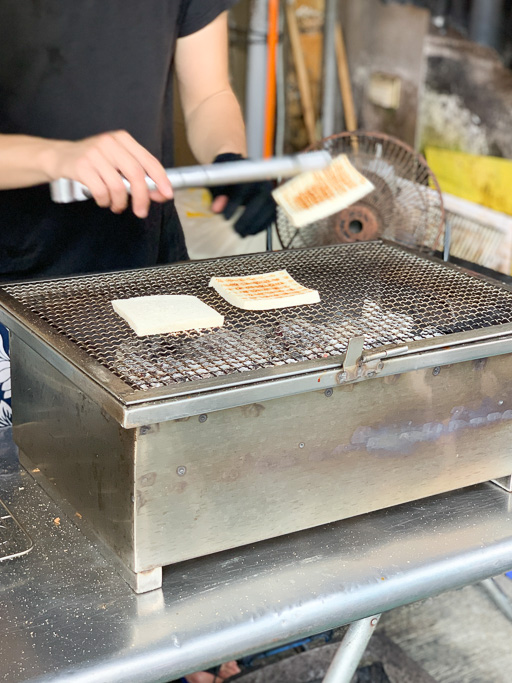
point(265, 291)
point(314, 195)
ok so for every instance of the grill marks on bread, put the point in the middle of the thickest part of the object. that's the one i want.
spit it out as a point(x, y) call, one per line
point(315, 195)
point(264, 291)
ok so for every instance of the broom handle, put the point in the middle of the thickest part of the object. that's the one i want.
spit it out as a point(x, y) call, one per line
point(302, 74)
point(344, 79)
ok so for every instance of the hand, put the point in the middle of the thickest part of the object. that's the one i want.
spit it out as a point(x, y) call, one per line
point(101, 162)
point(260, 207)
point(225, 671)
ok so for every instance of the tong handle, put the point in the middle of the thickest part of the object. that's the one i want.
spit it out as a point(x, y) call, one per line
point(64, 191)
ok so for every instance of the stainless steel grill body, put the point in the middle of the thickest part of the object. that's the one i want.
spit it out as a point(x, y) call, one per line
point(182, 445)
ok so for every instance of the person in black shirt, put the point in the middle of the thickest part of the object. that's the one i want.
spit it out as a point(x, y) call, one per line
point(86, 93)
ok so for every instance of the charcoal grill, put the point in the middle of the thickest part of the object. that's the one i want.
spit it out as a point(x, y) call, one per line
point(396, 386)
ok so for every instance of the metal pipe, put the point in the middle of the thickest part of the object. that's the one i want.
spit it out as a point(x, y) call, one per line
point(329, 69)
point(485, 22)
point(256, 76)
point(65, 190)
point(353, 645)
point(280, 112)
point(281, 90)
point(269, 238)
point(447, 239)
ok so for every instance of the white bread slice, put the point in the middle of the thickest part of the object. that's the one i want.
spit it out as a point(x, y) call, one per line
point(264, 292)
point(163, 313)
point(314, 195)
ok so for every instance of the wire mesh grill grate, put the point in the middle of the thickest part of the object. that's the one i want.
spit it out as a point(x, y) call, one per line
point(370, 288)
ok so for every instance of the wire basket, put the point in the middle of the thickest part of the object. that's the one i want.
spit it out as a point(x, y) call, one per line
point(406, 206)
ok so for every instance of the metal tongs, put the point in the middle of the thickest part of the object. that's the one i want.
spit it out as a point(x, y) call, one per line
point(64, 191)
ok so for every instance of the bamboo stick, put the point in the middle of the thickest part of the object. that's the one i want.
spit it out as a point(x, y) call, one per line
point(344, 79)
point(302, 75)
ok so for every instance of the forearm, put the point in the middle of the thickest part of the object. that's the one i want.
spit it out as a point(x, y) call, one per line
point(216, 126)
point(212, 114)
point(99, 162)
point(25, 160)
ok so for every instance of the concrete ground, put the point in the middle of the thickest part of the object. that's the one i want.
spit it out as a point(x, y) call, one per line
point(457, 637)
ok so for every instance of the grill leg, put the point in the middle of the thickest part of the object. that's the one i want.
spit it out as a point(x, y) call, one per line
point(142, 582)
point(504, 482)
point(350, 651)
point(139, 582)
point(269, 245)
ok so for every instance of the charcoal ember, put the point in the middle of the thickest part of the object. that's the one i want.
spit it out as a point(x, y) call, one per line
point(255, 334)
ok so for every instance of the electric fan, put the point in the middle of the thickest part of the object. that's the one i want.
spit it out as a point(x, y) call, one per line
point(406, 206)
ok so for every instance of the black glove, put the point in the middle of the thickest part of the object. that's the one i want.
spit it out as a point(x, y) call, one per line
point(260, 207)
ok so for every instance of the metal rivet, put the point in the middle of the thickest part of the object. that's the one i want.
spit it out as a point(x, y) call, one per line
point(328, 393)
point(144, 429)
point(301, 445)
point(436, 371)
point(372, 373)
point(373, 622)
point(203, 418)
point(181, 470)
point(132, 498)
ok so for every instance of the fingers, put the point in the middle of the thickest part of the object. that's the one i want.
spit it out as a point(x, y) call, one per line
point(87, 175)
point(219, 204)
point(237, 195)
point(258, 215)
point(157, 196)
point(115, 188)
point(101, 163)
point(229, 669)
point(134, 173)
point(152, 167)
point(112, 147)
point(233, 203)
point(260, 207)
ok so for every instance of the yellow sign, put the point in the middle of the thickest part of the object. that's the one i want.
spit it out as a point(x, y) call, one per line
point(483, 180)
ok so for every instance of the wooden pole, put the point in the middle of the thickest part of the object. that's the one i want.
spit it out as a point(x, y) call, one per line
point(344, 79)
point(302, 74)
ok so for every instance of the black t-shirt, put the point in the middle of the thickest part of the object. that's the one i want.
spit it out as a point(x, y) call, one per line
point(73, 69)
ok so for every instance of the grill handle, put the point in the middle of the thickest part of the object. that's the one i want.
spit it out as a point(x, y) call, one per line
point(64, 191)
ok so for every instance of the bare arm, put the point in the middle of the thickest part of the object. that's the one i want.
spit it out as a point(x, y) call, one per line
point(212, 114)
point(24, 161)
point(97, 162)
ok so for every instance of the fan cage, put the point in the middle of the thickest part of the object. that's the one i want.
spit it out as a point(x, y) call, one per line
point(406, 206)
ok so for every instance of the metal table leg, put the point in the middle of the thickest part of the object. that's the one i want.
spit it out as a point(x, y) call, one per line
point(350, 651)
point(269, 245)
point(499, 598)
